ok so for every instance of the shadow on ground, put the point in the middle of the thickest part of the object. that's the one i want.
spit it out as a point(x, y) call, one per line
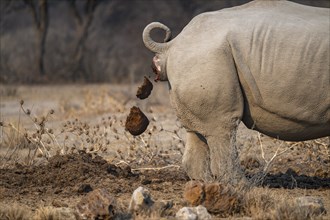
point(291, 179)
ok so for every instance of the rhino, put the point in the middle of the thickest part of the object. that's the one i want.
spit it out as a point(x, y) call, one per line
point(265, 63)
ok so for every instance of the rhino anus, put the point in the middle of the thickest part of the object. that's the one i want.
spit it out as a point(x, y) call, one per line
point(265, 63)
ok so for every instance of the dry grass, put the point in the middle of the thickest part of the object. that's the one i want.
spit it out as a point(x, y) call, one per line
point(20, 212)
point(263, 203)
point(160, 147)
point(36, 142)
point(261, 155)
point(52, 213)
point(14, 212)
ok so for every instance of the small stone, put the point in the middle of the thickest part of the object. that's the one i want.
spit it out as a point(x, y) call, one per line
point(136, 121)
point(145, 89)
point(141, 200)
point(193, 213)
point(186, 213)
point(97, 204)
point(314, 205)
point(202, 213)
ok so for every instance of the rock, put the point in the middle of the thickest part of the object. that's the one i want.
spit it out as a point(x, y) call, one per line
point(314, 205)
point(136, 121)
point(97, 204)
point(141, 201)
point(142, 205)
point(213, 196)
point(186, 213)
point(193, 213)
point(145, 89)
point(202, 213)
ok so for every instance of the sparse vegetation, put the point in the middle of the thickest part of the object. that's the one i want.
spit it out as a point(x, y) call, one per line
point(51, 153)
point(14, 212)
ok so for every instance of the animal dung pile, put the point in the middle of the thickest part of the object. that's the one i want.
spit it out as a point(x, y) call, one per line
point(137, 122)
point(144, 90)
point(216, 198)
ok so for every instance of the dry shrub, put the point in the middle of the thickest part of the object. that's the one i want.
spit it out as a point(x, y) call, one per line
point(258, 203)
point(289, 210)
point(52, 213)
point(14, 212)
point(23, 146)
point(262, 203)
point(35, 142)
point(160, 210)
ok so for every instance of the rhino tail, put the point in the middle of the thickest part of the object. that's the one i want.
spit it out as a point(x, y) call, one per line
point(153, 45)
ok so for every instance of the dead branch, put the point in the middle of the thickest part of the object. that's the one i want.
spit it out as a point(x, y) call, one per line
point(157, 168)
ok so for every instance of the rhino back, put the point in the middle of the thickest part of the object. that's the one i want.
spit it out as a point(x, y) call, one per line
point(282, 55)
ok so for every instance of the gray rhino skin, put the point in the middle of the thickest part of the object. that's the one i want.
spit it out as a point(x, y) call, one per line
point(265, 63)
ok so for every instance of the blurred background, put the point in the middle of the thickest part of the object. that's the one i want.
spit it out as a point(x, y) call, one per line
point(89, 41)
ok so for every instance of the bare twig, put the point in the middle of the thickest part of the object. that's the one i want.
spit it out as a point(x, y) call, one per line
point(276, 154)
point(157, 168)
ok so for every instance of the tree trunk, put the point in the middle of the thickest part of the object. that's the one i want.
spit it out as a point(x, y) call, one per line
point(78, 70)
point(43, 30)
point(41, 21)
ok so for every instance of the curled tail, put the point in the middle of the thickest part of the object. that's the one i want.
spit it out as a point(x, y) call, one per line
point(153, 45)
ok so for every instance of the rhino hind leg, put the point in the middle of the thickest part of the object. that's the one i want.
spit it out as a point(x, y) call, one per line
point(224, 160)
point(196, 157)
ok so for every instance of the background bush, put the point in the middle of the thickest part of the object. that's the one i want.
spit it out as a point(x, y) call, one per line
point(111, 50)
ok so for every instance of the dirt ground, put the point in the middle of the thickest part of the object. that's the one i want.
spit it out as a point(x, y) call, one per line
point(120, 163)
point(66, 178)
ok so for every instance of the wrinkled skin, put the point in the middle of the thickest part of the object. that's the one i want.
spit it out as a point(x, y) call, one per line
point(265, 63)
